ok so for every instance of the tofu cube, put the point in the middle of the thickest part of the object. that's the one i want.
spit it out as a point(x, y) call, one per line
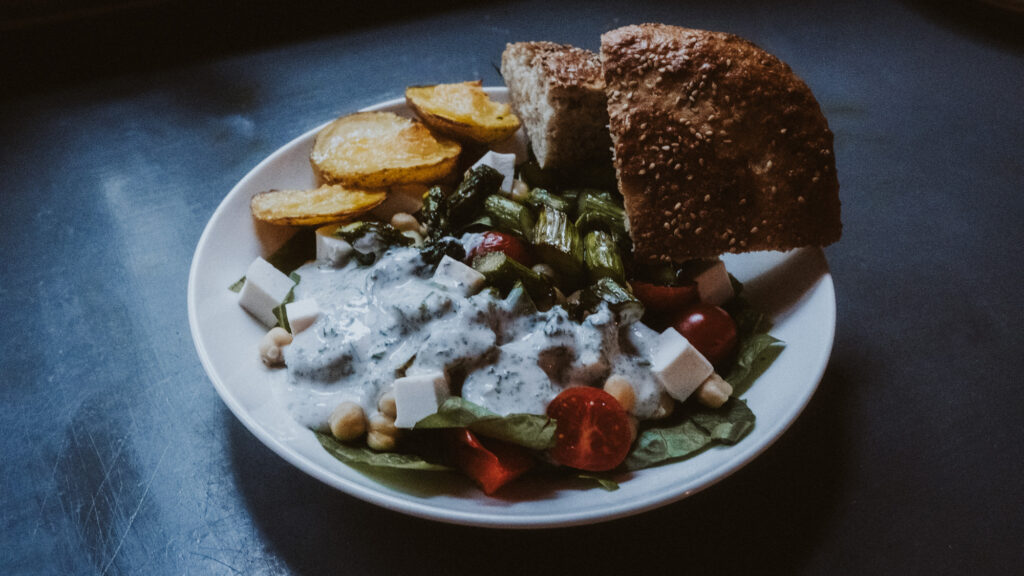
point(301, 314)
point(677, 365)
point(713, 284)
point(330, 248)
point(458, 277)
point(504, 163)
point(264, 289)
point(417, 397)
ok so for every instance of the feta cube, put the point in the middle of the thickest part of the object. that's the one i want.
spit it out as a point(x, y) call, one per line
point(504, 163)
point(264, 289)
point(458, 277)
point(713, 284)
point(301, 314)
point(417, 397)
point(407, 198)
point(330, 248)
point(677, 365)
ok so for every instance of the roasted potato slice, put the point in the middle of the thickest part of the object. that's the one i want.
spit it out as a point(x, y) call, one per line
point(463, 111)
point(381, 149)
point(328, 203)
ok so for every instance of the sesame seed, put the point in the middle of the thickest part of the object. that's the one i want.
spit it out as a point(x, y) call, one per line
point(698, 230)
point(753, 230)
point(800, 199)
point(641, 172)
point(707, 197)
point(680, 205)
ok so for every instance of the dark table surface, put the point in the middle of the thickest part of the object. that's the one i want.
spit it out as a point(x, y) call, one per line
point(121, 134)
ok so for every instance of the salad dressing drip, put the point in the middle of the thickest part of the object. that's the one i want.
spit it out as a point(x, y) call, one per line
point(389, 319)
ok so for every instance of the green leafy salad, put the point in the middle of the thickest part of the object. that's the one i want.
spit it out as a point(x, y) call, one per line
point(641, 363)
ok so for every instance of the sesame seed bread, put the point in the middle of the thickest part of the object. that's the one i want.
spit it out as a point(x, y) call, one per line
point(718, 146)
point(558, 93)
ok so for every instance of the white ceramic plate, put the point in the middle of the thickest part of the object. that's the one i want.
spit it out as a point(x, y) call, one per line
point(795, 288)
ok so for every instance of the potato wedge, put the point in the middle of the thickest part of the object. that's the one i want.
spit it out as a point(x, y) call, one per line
point(463, 111)
point(328, 203)
point(381, 149)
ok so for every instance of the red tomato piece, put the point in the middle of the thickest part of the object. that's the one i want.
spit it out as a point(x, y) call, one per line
point(661, 303)
point(492, 465)
point(513, 247)
point(710, 330)
point(593, 433)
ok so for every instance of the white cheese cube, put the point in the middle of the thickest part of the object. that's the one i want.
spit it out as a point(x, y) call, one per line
point(504, 163)
point(458, 277)
point(713, 284)
point(407, 198)
point(417, 397)
point(677, 365)
point(301, 314)
point(264, 289)
point(330, 248)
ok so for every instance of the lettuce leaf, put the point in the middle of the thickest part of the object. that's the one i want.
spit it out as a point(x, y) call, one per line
point(756, 349)
point(693, 428)
point(528, 430)
point(363, 455)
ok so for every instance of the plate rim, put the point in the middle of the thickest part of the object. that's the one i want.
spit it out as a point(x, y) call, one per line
point(499, 518)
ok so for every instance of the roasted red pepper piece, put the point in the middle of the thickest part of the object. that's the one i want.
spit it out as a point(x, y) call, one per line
point(490, 463)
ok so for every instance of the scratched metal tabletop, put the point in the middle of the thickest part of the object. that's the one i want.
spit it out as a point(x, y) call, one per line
point(122, 130)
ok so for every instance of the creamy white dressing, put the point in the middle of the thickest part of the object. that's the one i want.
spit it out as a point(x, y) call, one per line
point(383, 321)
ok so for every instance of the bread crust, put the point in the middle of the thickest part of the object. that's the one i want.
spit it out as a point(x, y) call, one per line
point(718, 146)
point(558, 92)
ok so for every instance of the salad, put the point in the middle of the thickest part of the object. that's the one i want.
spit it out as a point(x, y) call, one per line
point(499, 327)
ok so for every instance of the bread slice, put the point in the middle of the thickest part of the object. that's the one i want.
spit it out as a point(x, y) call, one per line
point(558, 93)
point(719, 146)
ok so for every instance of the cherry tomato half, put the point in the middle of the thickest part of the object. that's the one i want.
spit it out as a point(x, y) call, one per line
point(494, 241)
point(662, 303)
point(594, 433)
point(710, 330)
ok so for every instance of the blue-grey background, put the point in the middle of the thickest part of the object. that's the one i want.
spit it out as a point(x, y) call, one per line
point(122, 129)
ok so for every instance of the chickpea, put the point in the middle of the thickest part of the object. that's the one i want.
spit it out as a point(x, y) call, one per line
point(714, 391)
point(271, 344)
point(348, 421)
point(666, 405)
point(621, 390)
point(382, 435)
point(387, 405)
point(520, 190)
point(404, 222)
point(415, 236)
point(544, 270)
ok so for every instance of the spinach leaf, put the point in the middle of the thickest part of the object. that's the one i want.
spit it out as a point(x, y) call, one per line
point(363, 455)
point(756, 349)
point(691, 430)
point(528, 430)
